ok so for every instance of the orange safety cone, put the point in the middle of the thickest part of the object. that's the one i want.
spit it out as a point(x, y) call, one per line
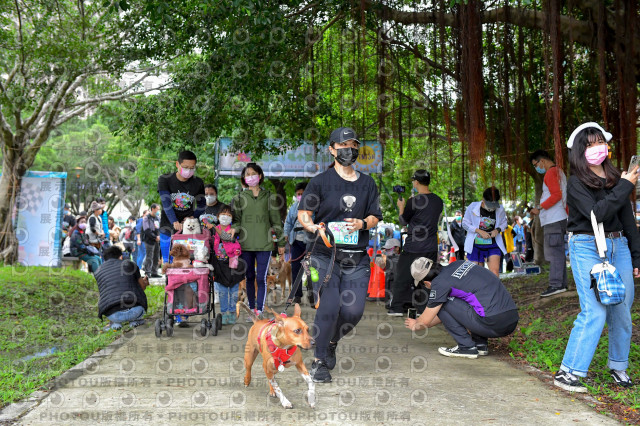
point(452, 256)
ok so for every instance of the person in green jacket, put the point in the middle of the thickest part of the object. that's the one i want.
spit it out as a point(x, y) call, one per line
point(255, 217)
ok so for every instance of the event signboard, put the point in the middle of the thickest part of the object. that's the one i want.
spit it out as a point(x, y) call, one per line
point(297, 162)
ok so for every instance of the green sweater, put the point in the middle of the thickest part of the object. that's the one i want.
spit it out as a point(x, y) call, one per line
point(254, 218)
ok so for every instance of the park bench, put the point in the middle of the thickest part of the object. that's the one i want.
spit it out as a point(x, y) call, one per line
point(73, 262)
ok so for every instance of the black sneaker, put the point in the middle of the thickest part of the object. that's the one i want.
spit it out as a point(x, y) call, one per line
point(331, 356)
point(459, 352)
point(553, 290)
point(297, 299)
point(621, 378)
point(319, 372)
point(568, 382)
point(482, 349)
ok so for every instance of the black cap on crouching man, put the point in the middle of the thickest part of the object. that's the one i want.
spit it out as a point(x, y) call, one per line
point(343, 134)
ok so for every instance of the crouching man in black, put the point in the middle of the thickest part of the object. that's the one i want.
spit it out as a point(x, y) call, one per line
point(121, 289)
point(469, 300)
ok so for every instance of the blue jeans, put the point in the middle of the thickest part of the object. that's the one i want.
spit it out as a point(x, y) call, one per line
point(258, 274)
point(141, 250)
point(128, 315)
point(93, 261)
point(588, 326)
point(228, 297)
point(165, 246)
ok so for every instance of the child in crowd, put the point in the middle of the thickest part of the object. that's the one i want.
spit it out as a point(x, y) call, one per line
point(228, 271)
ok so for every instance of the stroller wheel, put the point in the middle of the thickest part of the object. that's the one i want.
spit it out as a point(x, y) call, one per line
point(169, 327)
point(218, 322)
point(158, 327)
point(214, 330)
point(203, 327)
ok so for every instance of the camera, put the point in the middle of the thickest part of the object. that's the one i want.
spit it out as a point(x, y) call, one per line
point(412, 313)
point(398, 189)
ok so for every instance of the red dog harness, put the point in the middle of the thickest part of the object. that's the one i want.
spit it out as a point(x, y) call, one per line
point(280, 355)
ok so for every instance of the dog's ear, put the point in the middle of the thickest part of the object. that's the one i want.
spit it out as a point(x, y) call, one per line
point(296, 310)
point(278, 317)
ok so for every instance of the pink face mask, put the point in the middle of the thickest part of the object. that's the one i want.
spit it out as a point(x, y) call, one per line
point(186, 173)
point(298, 197)
point(252, 180)
point(595, 155)
point(82, 226)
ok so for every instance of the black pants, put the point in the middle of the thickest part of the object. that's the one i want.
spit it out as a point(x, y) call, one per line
point(341, 301)
point(460, 319)
point(297, 249)
point(150, 265)
point(403, 285)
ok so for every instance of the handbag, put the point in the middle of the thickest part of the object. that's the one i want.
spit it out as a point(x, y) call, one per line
point(606, 281)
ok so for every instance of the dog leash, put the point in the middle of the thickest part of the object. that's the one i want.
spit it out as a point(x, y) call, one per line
point(305, 271)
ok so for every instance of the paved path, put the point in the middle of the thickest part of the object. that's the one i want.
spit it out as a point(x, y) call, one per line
point(384, 375)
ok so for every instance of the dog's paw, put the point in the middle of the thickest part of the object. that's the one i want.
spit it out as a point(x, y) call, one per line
point(311, 399)
point(287, 404)
point(272, 394)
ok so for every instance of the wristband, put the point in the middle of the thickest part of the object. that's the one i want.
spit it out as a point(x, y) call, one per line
point(364, 224)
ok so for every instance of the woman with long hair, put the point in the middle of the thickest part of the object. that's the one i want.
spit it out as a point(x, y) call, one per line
point(595, 185)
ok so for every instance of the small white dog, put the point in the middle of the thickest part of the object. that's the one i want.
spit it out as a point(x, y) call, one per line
point(201, 258)
point(191, 226)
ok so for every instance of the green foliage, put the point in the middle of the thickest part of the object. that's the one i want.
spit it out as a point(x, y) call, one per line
point(44, 308)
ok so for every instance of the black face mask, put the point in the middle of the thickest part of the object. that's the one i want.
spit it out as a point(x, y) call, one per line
point(346, 156)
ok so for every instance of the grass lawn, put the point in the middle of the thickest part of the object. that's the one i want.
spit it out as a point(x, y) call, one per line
point(543, 332)
point(43, 309)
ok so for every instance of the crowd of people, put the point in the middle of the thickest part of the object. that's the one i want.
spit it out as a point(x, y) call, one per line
point(328, 225)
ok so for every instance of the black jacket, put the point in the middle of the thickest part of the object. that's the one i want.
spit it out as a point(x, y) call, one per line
point(611, 206)
point(118, 287)
point(458, 233)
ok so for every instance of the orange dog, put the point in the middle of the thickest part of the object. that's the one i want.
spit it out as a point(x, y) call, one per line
point(278, 341)
point(280, 273)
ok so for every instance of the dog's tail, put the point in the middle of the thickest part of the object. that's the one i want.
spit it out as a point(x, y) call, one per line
point(244, 306)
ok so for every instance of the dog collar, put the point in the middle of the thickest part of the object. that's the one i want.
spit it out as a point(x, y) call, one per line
point(280, 355)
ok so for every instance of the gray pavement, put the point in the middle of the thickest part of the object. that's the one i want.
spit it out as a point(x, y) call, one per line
point(385, 374)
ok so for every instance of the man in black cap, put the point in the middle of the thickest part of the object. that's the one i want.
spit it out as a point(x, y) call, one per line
point(420, 213)
point(348, 202)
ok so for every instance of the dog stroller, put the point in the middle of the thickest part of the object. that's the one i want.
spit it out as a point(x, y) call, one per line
point(189, 292)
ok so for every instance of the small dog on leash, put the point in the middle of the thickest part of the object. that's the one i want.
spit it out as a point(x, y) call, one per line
point(280, 273)
point(278, 340)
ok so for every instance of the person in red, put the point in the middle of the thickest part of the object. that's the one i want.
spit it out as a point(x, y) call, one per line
point(553, 219)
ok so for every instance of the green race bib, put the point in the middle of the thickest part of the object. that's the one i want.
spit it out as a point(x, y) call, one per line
point(341, 233)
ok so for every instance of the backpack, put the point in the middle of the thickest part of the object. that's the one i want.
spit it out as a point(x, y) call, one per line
point(127, 233)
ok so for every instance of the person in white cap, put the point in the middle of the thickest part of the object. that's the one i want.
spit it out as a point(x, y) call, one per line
point(595, 185)
point(469, 300)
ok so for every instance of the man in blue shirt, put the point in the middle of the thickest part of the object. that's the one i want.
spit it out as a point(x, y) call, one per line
point(141, 247)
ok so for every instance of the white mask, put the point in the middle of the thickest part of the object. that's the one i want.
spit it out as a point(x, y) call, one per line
point(210, 199)
point(224, 219)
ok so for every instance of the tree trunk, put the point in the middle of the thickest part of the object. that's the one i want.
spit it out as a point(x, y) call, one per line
point(282, 197)
point(9, 190)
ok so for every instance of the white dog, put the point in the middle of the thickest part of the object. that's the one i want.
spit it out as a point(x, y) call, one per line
point(191, 226)
point(201, 258)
